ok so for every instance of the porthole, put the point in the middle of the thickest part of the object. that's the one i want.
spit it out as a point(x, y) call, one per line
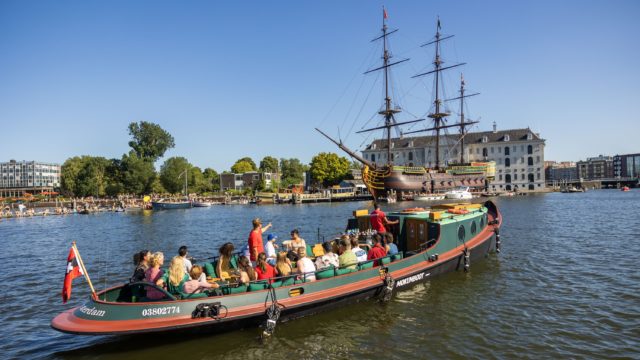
point(473, 228)
point(461, 233)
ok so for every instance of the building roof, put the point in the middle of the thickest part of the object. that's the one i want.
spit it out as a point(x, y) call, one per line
point(471, 138)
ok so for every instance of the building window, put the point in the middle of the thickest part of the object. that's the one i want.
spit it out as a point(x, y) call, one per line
point(506, 151)
point(373, 157)
point(499, 150)
point(538, 159)
point(500, 177)
point(530, 160)
point(485, 139)
point(477, 151)
point(538, 176)
point(507, 178)
point(531, 179)
point(484, 152)
point(530, 149)
point(499, 161)
point(410, 155)
point(507, 162)
point(492, 149)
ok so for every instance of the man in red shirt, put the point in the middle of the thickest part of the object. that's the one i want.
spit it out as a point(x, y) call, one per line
point(379, 219)
point(255, 239)
point(377, 251)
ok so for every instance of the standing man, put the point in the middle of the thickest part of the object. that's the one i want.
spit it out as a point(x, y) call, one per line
point(255, 239)
point(379, 220)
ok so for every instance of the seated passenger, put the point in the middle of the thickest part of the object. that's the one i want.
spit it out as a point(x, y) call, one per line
point(283, 264)
point(296, 241)
point(264, 270)
point(183, 251)
point(347, 258)
point(153, 274)
point(195, 284)
point(305, 266)
point(377, 251)
point(270, 249)
point(361, 255)
point(328, 259)
point(247, 274)
point(392, 248)
point(175, 277)
point(223, 267)
point(141, 261)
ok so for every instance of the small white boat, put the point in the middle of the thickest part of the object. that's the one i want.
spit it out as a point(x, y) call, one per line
point(461, 193)
point(428, 197)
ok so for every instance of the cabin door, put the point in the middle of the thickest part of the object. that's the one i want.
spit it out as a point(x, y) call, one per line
point(416, 233)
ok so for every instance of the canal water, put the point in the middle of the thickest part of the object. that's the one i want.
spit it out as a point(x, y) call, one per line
point(566, 285)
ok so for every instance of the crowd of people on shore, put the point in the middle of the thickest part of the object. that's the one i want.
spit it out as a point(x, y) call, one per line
point(263, 261)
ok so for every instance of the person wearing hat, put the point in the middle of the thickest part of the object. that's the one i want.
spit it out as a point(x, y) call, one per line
point(255, 239)
point(270, 249)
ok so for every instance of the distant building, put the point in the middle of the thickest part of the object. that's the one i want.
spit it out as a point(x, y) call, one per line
point(248, 180)
point(560, 171)
point(518, 153)
point(595, 168)
point(18, 177)
point(626, 166)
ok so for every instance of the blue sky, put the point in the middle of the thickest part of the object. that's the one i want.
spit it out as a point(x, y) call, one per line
point(253, 78)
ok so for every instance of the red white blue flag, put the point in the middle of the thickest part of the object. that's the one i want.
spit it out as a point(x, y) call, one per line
point(73, 271)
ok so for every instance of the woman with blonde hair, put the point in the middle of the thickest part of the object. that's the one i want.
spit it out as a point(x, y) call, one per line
point(153, 274)
point(175, 277)
point(306, 267)
point(283, 264)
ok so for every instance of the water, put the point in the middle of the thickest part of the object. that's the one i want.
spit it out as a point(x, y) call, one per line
point(565, 285)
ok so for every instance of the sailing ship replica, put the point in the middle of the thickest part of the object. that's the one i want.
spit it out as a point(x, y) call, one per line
point(392, 182)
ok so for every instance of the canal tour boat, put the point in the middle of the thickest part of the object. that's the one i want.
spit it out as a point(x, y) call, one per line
point(431, 242)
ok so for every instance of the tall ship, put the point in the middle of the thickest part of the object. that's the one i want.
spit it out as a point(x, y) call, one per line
point(391, 182)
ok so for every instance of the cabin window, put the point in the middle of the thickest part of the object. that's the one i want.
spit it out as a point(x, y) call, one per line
point(461, 233)
point(530, 149)
point(482, 222)
point(530, 161)
point(473, 227)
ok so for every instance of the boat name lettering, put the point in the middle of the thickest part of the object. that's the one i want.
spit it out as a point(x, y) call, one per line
point(166, 310)
point(411, 279)
point(92, 311)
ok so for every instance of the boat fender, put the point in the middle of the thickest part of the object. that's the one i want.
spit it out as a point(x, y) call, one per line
point(272, 313)
point(212, 310)
point(389, 284)
point(467, 259)
point(497, 231)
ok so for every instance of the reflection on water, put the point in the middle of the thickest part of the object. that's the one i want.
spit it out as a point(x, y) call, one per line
point(565, 285)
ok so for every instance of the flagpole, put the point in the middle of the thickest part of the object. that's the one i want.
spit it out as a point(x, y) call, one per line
point(84, 269)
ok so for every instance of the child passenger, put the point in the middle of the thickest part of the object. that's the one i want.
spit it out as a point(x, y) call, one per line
point(195, 285)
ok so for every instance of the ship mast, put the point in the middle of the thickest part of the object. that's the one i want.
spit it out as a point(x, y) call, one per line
point(389, 111)
point(463, 125)
point(438, 116)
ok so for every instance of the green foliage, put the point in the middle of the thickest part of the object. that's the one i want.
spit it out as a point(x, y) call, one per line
point(137, 175)
point(292, 172)
point(150, 141)
point(170, 174)
point(355, 165)
point(212, 179)
point(243, 166)
point(89, 176)
point(269, 164)
point(329, 168)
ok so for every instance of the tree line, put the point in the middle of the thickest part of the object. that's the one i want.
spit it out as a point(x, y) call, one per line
point(135, 173)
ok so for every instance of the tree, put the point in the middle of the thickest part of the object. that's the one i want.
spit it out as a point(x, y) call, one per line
point(212, 178)
point(69, 174)
point(244, 165)
point(136, 174)
point(329, 168)
point(197, 182)
point(292, 172)
point(355, 165)
point(170, 173)
point(90, 176)
point(269, 164)
point(150, 141)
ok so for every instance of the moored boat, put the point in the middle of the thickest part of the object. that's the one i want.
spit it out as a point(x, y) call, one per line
point(428, 197)
point(202, 204)
point(459, 194)
point(432, 241)
point(163, 204)
point(625, 188)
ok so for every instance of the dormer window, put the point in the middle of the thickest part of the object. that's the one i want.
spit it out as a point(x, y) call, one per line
point(411, 143)
point(506, 137)
point(529, 136)
point(373, 146)
point(393, 145)
point(485, 139)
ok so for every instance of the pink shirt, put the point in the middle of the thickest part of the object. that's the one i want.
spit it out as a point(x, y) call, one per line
point(152, 275)
point(191, 286)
